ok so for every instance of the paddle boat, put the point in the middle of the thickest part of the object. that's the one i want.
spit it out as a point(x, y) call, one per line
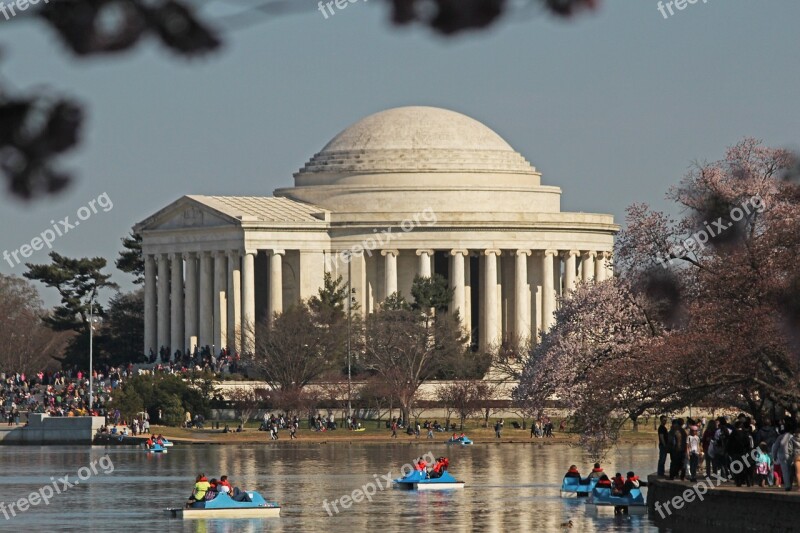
point(602, 499)
point(165, 442)
point(223, 506)
point(464, 441)
point(580, 486)
point(419, 480)
point(155, 448)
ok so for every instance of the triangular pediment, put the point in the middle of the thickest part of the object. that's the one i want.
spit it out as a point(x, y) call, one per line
point(186, 213)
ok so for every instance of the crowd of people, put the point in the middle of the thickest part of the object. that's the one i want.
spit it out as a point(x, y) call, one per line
point(768, 454)
point(199, 359)
point(59, 393)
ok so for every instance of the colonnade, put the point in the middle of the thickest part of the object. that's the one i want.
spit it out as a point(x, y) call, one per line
point(207, 298)
point(198, 299)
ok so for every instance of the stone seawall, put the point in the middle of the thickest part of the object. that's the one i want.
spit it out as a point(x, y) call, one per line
point(725, 508)
point(43, 430)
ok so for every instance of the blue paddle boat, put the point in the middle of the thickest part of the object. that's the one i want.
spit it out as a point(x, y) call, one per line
point(603, 499)
point(155, 448)
point(464, 441)
point(418, 480)
point(581, 487)
point(223, 506)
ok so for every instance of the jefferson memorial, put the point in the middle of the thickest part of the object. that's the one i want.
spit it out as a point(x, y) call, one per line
point(404, 192)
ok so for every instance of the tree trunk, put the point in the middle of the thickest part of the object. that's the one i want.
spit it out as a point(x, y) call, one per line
point(635, 420)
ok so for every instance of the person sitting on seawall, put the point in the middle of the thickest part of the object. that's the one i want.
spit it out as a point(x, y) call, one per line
point(201, 487)
point(619, 483)
point(573, 472)
point(596, 472)
point(604, 483)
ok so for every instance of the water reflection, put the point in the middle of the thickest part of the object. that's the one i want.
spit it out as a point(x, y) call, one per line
point(509, 487)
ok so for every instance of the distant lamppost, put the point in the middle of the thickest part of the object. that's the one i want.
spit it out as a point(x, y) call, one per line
point(91, 330)
point(349, 317)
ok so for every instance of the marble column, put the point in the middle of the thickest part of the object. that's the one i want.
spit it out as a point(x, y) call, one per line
point(522, 305)
point(570, 270)
point(275, 284)
point(220, 301)
point(249, 300)
point(206, 303)
point(150, 301)
point(424, 270)
point(548, 290)
point(390, 272)
point(588, 266)
point(234, 300)
point(609, 265)
point(490, 299)
point(176, 310)
point(163, 301)
point(190, 309)
point(468, 296)
point(457, 283)
point(600, 267)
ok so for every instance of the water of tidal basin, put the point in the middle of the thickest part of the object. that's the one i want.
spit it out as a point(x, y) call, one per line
point(509, 487)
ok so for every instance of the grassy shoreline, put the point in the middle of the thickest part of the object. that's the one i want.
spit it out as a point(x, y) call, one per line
point(373, 435)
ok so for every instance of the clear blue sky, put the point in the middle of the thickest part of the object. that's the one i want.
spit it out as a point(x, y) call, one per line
point(612, 107)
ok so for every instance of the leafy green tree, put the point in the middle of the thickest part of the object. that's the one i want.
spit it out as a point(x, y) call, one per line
point(169, 394)
point(431, 293)
point(77, 281)
point(130, 259)
point(124, 327)
point(128, 402)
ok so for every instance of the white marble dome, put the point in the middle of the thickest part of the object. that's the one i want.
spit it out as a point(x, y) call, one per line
point(401, 158)
point(413, 139)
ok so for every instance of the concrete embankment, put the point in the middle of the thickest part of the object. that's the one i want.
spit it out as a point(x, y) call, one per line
point(42, 430)
point(708, 505)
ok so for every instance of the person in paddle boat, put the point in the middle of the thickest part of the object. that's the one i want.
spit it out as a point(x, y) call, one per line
point(224, 486)
point(212, 489)
point(421, 465)
point(160, 440)
point(573, 472)
point(619, 484)
point(442, 463)
point(604, 483)
point(632, 482)
point(201, 487)
point(596, 472)
point(149, 443)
